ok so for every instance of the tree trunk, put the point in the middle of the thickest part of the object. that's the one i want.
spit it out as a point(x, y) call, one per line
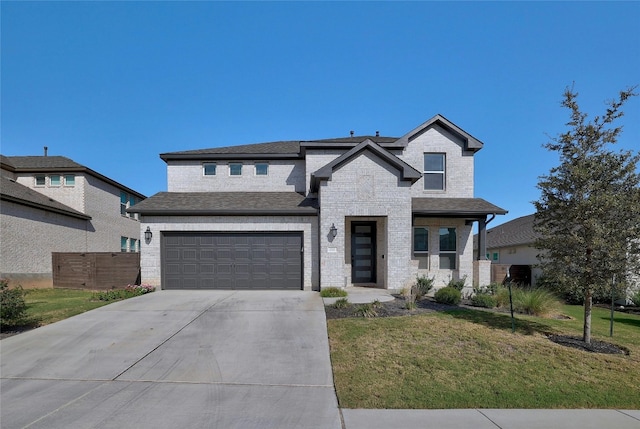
point(586, 336)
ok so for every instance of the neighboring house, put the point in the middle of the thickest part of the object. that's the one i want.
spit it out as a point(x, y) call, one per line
point(53, 204)
point(368, 211)
point(510, 250)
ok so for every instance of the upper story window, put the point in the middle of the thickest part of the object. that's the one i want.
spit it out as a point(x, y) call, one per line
point(434, 171)
point(123, 244)
point(235, 169)
point(69, 180)
point(421, 241)
point(55, 180)
point(40, 180)
point(123, 203)
point(209, 169)
point(133, 246)
point(448, 248)
point(127, 201)
point(262, 169)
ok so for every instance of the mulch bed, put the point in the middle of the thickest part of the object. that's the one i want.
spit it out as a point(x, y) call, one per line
point(397, 307)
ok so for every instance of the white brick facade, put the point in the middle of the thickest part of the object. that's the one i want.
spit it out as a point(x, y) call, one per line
point(371, 182)
point(151, 259)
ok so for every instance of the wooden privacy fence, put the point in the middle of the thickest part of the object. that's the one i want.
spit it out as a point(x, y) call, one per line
point(95, 270)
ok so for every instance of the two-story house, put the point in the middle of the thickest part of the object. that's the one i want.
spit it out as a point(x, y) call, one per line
point(53, 204)
point(368, 211)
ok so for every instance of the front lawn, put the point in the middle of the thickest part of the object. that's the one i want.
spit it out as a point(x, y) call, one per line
point(470, 359)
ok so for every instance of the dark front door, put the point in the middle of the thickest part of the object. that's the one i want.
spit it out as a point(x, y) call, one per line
point(363, 252)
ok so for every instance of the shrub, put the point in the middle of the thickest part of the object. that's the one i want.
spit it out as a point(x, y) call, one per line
point(366, 310)
point(341, 303)
point(410, 305)
point(636, 298)
point(448, 295)
point(536, 302)
point(457, 284)
point(12, 306)
point(483, 300)
point(333, 292)
point(424, 284)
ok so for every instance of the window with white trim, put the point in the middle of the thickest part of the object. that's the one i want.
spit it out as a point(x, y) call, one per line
point(434, 171)
point(55, 180)
point(262, 169)
point(40, 180)
point(235, 169)
point(123, 203)
point(448, 248)
point(123, 244)
point(209, 169)
point(421, 241)
point(69, 180)
point(133, 246)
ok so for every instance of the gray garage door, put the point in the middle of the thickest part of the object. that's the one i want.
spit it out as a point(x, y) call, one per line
point(232, 260)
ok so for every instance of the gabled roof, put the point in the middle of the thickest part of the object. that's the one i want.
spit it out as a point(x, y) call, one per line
point(20, 194)
point(457, 207)
point(226, 204)
point(513, 233)
point(470, 142)
point(408, 173)
point(56, 164)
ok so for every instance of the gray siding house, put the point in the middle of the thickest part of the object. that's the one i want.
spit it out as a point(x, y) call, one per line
point(355, 211)
point(53, 204)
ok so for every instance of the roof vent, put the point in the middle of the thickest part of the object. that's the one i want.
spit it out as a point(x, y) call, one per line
point(45, 150)
point(351, 132)
point(377, 133)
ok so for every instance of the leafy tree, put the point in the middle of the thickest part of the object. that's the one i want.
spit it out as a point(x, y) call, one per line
point(588, 215)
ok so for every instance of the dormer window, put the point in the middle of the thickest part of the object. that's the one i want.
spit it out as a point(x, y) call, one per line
point(434, 171)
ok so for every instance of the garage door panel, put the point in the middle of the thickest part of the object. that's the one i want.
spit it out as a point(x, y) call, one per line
point(255, 260)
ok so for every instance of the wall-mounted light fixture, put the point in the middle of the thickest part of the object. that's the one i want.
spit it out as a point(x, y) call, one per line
point(333, 231)
point(147, 235)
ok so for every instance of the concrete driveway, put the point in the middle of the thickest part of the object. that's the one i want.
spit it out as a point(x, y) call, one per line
point(173, 359)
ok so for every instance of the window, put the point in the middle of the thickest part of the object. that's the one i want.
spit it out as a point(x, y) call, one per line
point(132, 202)
point(209, 169)
point(433, 174)
point(123, 203)
point(133, 247)
point(55, 180)
point(235, 169)
point(421, 241)
point(262, 169)
point(123, 244)
point(41, 180)
point(69, 180)
point(448, 251)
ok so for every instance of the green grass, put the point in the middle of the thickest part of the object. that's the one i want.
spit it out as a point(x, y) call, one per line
point(470, 359)
point(46, 306)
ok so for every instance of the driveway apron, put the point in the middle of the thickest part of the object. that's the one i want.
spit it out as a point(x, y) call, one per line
point(175, 359)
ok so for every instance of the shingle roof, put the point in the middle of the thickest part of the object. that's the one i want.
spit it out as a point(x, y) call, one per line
point(43, 162)
point(57, 164)
point(20, 194)
point(279, 149)
point(454, 207)
point(226, 203)
point(513, 233)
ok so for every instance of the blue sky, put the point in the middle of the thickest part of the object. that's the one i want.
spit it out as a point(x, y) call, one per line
point(112, 85)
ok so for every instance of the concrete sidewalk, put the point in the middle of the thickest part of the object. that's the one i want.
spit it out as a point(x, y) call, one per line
point(491, 419)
